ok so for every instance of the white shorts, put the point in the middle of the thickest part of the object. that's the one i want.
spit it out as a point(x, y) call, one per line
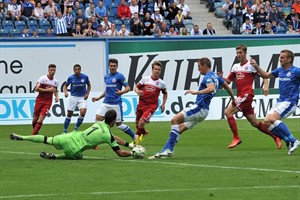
point(193, 115)
point(105, 107)
point(284, 109)
point(76, 101)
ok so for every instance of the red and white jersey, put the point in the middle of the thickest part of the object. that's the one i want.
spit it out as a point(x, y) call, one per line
point(46, 82)
point(151, 89)
point(244, 75)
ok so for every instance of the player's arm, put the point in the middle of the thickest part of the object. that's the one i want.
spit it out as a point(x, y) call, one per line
point(120, 92)
point(39, 89)
point(228, 81)
point(165, 96)
point(100, 97)
point(266, 86)
point(65, 89)
point(230, 92)
point(88, 90)
point(261, 72)
point(209, 89)
point(56, 96)
point(138, 90)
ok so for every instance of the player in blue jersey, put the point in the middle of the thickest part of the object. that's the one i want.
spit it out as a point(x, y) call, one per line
point(289, 83)
point(80, 89)
point(197, 112)
point(114, 82)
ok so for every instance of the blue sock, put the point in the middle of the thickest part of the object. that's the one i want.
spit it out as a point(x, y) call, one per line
point(79, 122)
point(66, 124)
point(173, 139)
point(284, 129)
point(127, 130)
point(278, 133)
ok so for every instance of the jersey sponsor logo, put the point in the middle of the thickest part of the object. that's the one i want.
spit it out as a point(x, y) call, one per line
point(240, 75)
point(150, 88)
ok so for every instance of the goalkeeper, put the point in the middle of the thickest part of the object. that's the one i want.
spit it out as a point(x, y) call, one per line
point(75, 143)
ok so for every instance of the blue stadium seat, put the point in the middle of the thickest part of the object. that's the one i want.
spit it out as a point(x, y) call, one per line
point(219, 13)
point(114, 9)
point(8, 25)
point(32, 24)
point(118, 23)
point(20, 25)
point(15, 33)
point(106, 3)
point(4, 33)
point(281, 30)
point(111, 16)
point(44, 24)
point(41, 32)
point(127, 23)
point(30, 32)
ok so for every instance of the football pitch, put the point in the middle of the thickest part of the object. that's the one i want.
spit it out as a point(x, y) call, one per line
point(201, 168)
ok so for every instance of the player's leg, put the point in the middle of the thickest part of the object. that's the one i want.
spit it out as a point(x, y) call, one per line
point(125, 128)
point(82, 111)
point(144, 119)
point(36, 113)
point(101, 112)
point(43, 113)
point(68, 120)
point(260, 126)
point(229, 112)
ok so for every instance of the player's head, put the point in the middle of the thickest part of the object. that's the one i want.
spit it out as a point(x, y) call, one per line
point(286, 58)
point(113, 65)
point(156, 69)
point(110, 117)
point(204, 65)
point(241, 52)
point(77, 69)
point(51, 70)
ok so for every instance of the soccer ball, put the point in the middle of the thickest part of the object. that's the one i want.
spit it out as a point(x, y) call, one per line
point(138, 152)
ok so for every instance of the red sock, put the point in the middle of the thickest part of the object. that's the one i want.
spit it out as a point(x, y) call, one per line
point(37, 127)
point(263, 129)
point(33, 124)
point(232, 124)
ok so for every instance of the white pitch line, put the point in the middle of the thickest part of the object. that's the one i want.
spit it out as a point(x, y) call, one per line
point(152, 191)
point(175, 163)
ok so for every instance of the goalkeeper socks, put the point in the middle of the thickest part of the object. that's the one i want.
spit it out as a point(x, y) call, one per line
point(284, 129)
point(37, 128)
point(263, 129)
point(79, 122)
point(66, 124)
point(127, 130)
point(232, 124)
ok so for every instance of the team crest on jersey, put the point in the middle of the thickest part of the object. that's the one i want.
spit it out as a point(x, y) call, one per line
point(114, 80)
point(156, 83)
point(288, 74)
point(82, 80)
point(240, 75)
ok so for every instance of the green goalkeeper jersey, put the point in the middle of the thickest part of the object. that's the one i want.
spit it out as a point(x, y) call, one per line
point(74, 143)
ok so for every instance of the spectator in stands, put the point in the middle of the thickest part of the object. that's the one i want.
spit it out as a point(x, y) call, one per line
point(112, 31)
point(70, 19)
point(228, 14)
point(274, 27)
point(267, 7)
point(100, 31)
point(143, 7)
point(61, 24)
point(44, 3)
point(162, 7)
point(172, 31)
point(89, 29)
point(123, 11)
point(35, 34)
point(80, 19)
point(268, 29)
point(185, 9)
point(76, 7)
point(78, 31)
point(38, 11)
point(183, 31)
point(249, 14)
point(3, 12)
point(14, 11)
point(49, 33)
point(179, 20)
point(123, 31)
point(100, 11)
point(256, 6)
point(163, 29)
point(296, 6)
point(173, 10)
point(95, 22)
point(286, 9)
point(258, 29)
point(90, 11)
point(27, 11)
point(136, 25)
point(209, 29)
point(50, 10)
point(290, 17)
point(106, 24)
point(273, 15)
point(237, 15)
point(25, 32)
point(290, 30)
point(247, 26)
point(261, 17)
point(157, 17)
point(134, 7)
point(196, 31)
point(296, 23)
point(149, 25)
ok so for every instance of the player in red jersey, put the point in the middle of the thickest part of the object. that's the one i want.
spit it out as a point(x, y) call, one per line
point(244, 74)
point(46, 86)
point(148, 90)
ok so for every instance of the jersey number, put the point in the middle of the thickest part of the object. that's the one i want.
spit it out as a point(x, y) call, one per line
point(93, 129)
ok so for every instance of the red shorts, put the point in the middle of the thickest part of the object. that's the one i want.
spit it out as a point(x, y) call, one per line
point(244, 104)
point(41, 109)
point(144, 113)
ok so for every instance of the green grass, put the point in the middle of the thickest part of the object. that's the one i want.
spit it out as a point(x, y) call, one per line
point(202, 167)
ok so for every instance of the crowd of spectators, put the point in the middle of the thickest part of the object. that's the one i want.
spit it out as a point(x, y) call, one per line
point(83, 18)
point(259, 16)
